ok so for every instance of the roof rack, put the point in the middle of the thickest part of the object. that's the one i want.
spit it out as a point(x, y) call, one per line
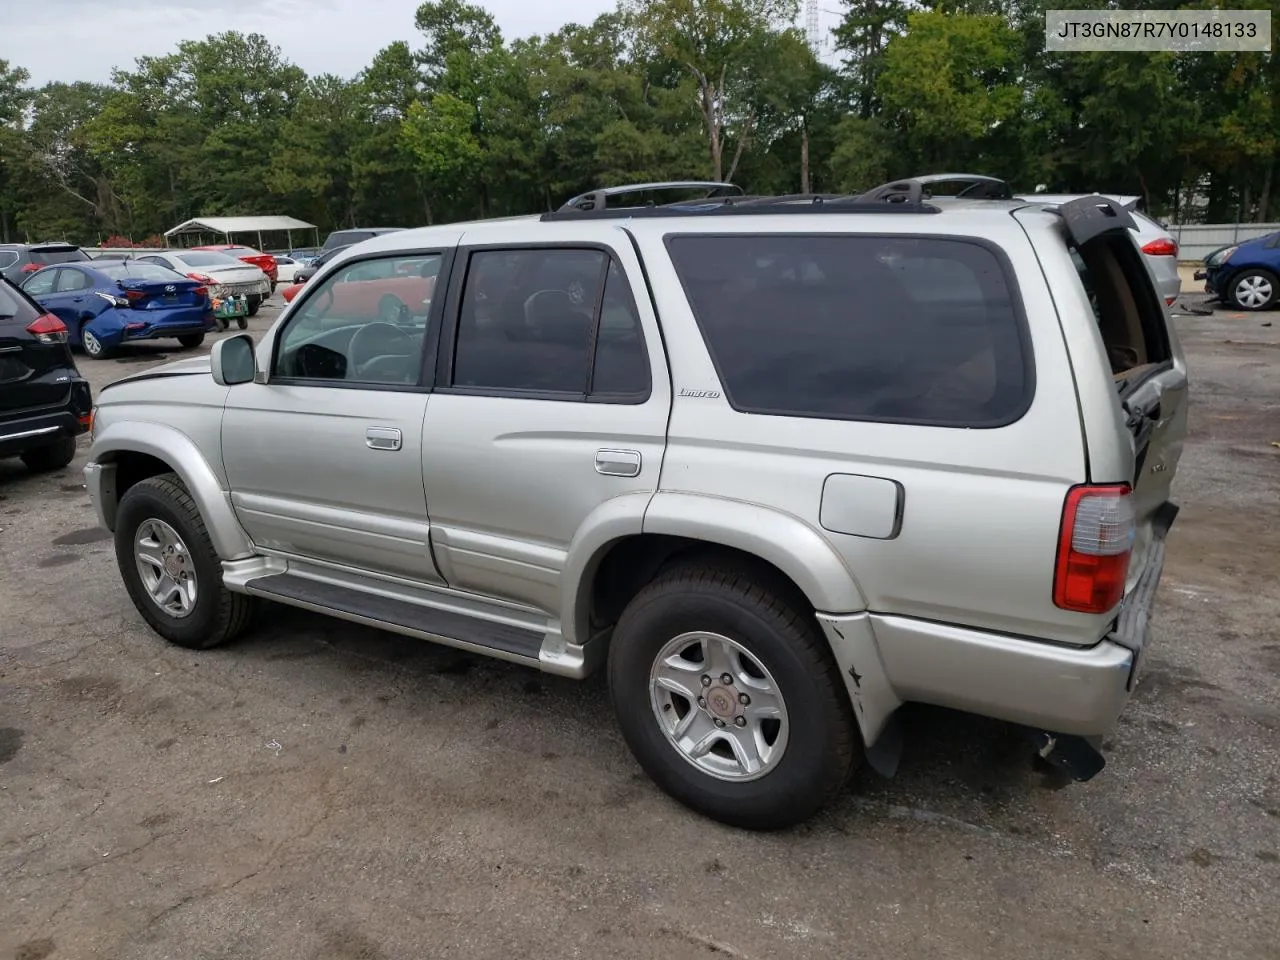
point(598, 199)
point(980, 186)
point(726, 199)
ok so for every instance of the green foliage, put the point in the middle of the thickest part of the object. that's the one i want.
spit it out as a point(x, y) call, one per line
point(458, 121)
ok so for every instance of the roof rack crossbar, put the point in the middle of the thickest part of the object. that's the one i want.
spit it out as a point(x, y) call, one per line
point(840, 205)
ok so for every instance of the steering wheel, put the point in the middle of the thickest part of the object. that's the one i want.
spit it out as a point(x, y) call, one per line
point(375, 342)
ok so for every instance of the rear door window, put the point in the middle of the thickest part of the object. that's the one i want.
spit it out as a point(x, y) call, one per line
point(924, 330)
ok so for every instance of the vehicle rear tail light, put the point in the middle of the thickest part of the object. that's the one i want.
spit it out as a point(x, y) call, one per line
point(199, 278)
point(201, 291)
point(1169, 301)
point(133, 296)
point(1161, 247)
point(30, 267)
point(1094, 547)
point(48, 329)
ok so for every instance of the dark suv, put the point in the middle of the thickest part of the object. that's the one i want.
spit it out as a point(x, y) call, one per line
point(345, 238)
point(19, 259)
point(44, 402)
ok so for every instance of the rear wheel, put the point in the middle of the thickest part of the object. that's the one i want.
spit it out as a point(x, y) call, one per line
point(730, 699)
point(170, 569)
point(1254, 289)
point(93, 347)
point(53, 456)
point(192, 340)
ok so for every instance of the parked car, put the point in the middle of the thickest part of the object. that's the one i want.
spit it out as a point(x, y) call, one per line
point(105, 303)
point(1157, 244)
point(222, 274)
point(345, 238)
point(286, 267)
point(19, 259)
point(44, 401)
point(263, 261)
point(776, 466)
point(1245, 275)
point(305, 273)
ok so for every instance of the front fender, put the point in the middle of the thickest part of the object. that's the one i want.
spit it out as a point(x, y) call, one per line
point(784, 540)
point(176, 449)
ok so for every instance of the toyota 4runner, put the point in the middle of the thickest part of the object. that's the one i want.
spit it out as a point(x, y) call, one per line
point(777, 464)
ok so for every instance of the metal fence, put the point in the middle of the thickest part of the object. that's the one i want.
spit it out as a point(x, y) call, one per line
point(1197, 240)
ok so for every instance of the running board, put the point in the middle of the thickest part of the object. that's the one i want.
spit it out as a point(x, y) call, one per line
point(501, 640)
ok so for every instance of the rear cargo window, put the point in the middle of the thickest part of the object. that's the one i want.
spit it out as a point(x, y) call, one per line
point(897, 329)
point(1129, 315)
point(64, 255)
point(13, 306)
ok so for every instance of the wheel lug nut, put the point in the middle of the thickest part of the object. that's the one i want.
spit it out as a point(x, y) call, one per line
point(740, 721)
point(726, 679)
point(702, 701)
point(706, 681)
point(719, 722)
point(743, 699)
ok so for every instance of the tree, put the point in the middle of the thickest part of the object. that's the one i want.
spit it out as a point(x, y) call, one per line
point(14, 98)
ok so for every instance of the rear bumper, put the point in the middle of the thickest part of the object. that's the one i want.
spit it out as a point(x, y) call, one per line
point(26, 433)
point(161, 331)
point(1046, 686)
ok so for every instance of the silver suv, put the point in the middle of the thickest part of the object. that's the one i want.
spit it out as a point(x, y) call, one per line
point(779, 465)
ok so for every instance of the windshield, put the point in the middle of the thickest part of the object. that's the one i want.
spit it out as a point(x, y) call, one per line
point(138, 271)
point(198, 258)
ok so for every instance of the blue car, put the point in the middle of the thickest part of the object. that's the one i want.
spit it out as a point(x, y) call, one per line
point(105, 303)
point(1246, 275)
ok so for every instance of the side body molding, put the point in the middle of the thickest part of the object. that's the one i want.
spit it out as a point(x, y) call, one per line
point(178, 450)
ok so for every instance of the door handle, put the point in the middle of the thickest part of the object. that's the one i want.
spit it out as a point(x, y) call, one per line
point(382, 438)
point(618, 463)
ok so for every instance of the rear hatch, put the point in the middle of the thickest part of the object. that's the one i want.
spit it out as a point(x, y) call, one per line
point(35, 362)
point(1130, 373)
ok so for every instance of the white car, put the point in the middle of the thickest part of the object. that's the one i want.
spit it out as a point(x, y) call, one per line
point(286, 267)
point(223, 274)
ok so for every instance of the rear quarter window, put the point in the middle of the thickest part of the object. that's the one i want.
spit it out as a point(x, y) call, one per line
point(923, 330)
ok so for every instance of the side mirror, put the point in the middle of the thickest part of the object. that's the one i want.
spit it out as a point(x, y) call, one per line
point(232, 360)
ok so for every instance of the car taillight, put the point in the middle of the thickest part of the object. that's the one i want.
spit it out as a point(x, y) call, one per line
point(30, 268)
point(199, 278)
point(48, 329)
point(1161, 247)
point(201, 291)
point(133, 296)
point(1093, 548)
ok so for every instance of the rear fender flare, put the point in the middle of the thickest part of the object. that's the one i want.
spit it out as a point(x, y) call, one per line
point(176, 449)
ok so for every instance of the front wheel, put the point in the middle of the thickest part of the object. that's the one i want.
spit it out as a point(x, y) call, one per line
point(730, 699)
point(242, 323)
point(1254, 289)
point(170, 569)
point(192, 340)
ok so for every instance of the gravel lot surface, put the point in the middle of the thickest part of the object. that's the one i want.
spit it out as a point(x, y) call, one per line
point(319, 791)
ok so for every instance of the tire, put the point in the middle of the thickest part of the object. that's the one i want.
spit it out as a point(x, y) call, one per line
point(821, 739)
point(192, 340)
point(217, 614)
point(1253, 289)
point(242, 323)
point(52, 456)
point(92, 346)
point(254, 304)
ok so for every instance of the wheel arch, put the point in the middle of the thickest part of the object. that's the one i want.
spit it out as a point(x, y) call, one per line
point(607, 567)
point(128, 452)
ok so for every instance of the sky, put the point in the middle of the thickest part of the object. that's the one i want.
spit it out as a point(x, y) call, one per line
point(71, 40)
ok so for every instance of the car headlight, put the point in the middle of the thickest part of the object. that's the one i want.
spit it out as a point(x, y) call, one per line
point(1221, 257)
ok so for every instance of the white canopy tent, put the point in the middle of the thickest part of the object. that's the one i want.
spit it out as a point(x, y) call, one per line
point(226, 226)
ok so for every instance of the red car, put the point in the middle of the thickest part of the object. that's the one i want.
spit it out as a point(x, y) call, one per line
point(264, 261)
